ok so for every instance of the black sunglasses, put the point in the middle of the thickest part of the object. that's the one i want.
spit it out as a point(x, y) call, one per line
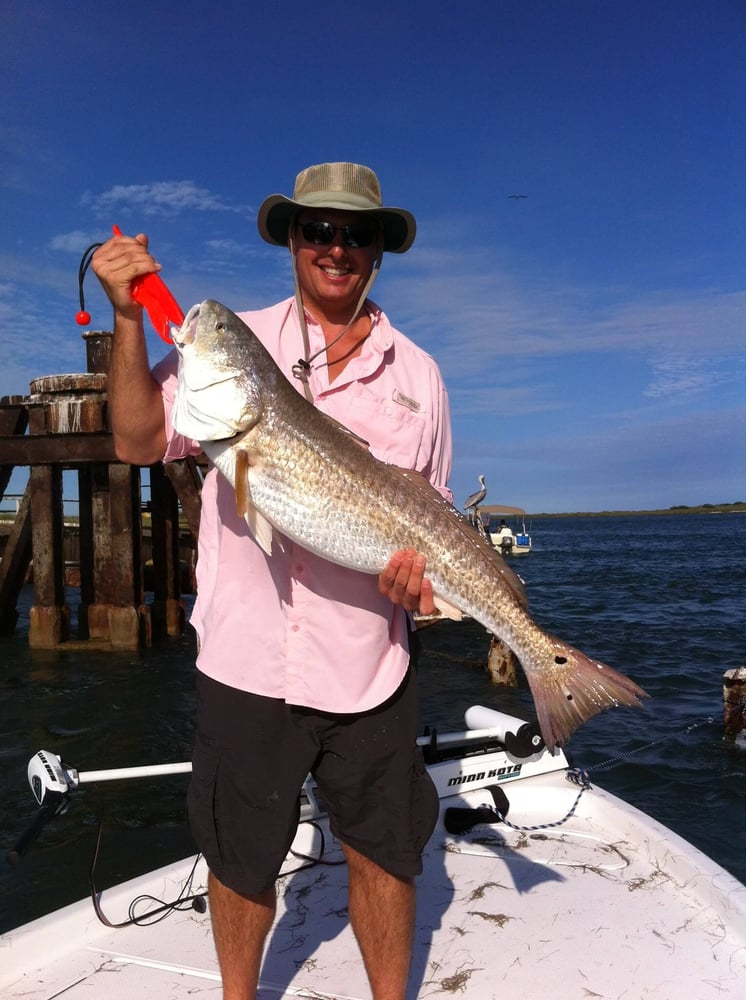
point(357, 235)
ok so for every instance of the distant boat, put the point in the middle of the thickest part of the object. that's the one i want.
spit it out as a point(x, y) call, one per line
point(506, 528)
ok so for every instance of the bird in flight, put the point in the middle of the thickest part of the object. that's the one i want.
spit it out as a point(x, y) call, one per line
point(517, 197)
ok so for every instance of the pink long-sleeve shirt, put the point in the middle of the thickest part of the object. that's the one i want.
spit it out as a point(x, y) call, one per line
point(295, 626)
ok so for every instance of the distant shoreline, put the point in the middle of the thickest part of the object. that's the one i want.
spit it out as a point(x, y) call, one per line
point(705, 508)
point(7, 517)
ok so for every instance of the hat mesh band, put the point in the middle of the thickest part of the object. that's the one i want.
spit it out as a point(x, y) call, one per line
point(346, 182)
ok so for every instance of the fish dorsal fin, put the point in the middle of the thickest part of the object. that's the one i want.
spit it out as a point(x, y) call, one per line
point(346, 430)
point(258, 524)
point(512, 579)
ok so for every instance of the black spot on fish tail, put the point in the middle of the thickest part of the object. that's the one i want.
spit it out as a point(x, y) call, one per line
point(572, 689)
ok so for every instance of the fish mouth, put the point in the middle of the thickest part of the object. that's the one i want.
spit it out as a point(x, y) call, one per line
point(186, 334)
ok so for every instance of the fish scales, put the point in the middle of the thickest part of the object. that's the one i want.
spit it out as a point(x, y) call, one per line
point(302, 483)
point(296, 469)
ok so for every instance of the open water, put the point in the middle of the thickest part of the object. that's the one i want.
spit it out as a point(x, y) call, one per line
point(662, 598)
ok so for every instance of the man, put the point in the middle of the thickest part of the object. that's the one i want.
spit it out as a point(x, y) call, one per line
point(303, 665)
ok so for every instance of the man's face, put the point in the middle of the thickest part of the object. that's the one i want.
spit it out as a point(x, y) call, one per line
point(332, 275)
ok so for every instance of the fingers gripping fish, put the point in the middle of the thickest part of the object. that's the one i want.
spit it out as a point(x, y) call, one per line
point(298, 472)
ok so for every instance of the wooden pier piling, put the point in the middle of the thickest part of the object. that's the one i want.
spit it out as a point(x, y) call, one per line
point(17, 553)
point(502, 664)
point(63, 425)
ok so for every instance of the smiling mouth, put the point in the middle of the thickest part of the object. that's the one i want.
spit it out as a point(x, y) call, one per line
point(336, 272)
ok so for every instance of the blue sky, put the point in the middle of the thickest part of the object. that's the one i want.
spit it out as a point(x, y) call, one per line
point(591, 334)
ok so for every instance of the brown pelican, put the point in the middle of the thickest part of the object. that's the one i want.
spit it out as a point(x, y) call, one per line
point(475, 499)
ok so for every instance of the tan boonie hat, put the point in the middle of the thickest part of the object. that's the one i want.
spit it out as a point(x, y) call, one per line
point(348, 187)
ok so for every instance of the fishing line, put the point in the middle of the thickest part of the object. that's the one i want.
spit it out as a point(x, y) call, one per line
point(581, 776)
point(625, 754)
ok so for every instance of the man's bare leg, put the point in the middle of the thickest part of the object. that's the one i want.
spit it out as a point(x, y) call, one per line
point(382, 912)
point(240, 925)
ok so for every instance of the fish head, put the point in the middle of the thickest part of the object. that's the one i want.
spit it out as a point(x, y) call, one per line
point(218, 395)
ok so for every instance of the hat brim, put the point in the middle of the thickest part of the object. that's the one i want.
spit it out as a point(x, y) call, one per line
point(276, 211)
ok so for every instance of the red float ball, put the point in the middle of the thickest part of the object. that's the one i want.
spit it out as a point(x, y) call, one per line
point(83, 318)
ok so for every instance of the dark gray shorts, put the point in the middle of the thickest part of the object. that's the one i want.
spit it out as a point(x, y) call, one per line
point(252, 755)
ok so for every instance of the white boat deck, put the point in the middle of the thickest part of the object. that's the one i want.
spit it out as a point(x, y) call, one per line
point(608, 905)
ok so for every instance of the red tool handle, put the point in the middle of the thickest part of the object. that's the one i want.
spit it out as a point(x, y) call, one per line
point(157, 301)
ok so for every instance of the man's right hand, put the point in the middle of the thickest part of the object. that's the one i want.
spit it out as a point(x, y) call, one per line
point(117, 263)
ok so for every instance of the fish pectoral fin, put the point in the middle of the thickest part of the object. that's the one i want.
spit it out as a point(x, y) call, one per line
point(243, 493)
point(260, 528)
point(258, 524)
point(447, 609)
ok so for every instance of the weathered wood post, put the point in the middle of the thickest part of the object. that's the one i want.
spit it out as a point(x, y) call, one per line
point(168, 609)
point(13, 421)
point(59, 405)
point(734, 705)
point(98, 345)
point(502, 663)
point(112, 605)
point(49, 617)
point(112, 595)
point(17, 552)
point(68, 429)
point(129, 618)
point(14, 563)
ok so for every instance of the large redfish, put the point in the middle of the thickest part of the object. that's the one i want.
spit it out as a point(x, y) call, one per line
point(296, 470)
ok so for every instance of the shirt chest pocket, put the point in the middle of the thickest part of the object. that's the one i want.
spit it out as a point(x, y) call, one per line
point(393, 431)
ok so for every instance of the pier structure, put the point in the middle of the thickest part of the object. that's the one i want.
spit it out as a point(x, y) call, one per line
point(62, 425)
point(734, 706)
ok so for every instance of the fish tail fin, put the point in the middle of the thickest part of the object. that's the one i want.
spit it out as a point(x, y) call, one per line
point(574, 689)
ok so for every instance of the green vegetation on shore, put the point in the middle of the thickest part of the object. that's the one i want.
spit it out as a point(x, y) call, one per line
point(705, 508)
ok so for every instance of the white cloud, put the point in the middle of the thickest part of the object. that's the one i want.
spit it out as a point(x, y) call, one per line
point(74, 242)
point(161, 198)
point(686, 376)
point(229, 246)
point(471, 310)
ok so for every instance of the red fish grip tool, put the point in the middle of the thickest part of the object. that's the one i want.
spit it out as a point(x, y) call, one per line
point(150, 291)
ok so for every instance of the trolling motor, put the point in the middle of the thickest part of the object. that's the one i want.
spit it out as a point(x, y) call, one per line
point(52, 782)
point(520, 738)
